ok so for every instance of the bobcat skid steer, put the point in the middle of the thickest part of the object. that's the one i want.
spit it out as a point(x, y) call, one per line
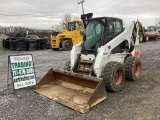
point(107, 56)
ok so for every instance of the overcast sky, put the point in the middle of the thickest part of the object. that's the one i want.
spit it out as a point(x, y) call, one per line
point(46, 13)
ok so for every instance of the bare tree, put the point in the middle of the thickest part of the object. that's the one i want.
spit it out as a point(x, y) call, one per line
point(64, 22)
point(56, 28)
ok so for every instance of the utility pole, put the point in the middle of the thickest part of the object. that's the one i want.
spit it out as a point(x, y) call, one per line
point(81, 2)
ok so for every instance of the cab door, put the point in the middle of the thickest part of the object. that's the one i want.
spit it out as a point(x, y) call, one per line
point(115, 27)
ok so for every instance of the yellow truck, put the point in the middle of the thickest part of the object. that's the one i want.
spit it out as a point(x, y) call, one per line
point(69, 37)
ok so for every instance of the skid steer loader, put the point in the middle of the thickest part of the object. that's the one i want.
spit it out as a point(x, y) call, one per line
point(107, 56)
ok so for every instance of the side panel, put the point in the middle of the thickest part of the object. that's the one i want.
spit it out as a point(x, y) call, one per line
point(55, 41)
point(74, 52)
point(102, 60)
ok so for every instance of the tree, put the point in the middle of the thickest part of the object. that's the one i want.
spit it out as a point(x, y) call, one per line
point(63, 24)
point(56, 28)
point(18, 35)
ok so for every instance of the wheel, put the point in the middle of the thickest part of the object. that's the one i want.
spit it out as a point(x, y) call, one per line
point(32, 45)
point(13, 45)
point(67, 66)
point(132, 68)
point(13, 49)
point(21, 49)
point(22, 40)
point(6, 44)
point(21, 43)
point(22, 46)
point(32, 41)
point(67, 45)
point(48, 45)
point(147, 38)
point(113, 76)
point(140, 38)
point(32, 49)
point(54, 49)
point(13, 41)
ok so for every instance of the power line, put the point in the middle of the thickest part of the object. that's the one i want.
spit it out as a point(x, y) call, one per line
point(32, 15)
point(36, 7)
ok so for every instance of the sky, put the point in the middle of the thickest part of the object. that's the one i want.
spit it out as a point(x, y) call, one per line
point(43, 14)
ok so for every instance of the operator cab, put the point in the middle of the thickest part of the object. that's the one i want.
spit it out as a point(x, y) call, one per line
point(76, 25)
point(99, 31)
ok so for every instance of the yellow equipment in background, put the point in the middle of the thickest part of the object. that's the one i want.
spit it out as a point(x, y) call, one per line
point(143, 37)
point(68, 38)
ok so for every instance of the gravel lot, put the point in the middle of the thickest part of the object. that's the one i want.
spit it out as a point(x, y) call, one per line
point(138, 100)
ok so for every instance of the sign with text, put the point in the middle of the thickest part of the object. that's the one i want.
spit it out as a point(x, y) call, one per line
point(22, 70)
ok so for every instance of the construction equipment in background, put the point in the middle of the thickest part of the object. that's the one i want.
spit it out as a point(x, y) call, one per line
point(106, 57)
point(153, 32)
point(68, 38)
point(143, 37)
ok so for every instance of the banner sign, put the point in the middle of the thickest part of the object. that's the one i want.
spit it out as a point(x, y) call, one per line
point(22, 71)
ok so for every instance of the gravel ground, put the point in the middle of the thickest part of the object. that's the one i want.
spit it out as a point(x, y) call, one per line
point(138, 100)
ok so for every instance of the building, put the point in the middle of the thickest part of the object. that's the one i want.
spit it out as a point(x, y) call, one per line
point(2, 36)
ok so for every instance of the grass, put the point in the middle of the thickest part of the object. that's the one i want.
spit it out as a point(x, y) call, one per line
point(2, 49)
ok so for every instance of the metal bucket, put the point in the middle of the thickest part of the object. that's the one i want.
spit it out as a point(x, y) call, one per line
point(76, 91)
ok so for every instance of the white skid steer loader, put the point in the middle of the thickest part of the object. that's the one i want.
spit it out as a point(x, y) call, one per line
point(107, 56)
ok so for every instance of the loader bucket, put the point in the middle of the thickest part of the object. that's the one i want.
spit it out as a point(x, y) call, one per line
point(73, 90)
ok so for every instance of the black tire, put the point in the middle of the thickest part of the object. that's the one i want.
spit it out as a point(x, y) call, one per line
point(22, 46)
point(21, 49)
point(43, 42)
point(31, 45)
point(22, 43)
point(6, 44)
point(32, 49)
point(22, 40)
point(13, 49)
point(67, 66)
point(132, 68)
point(48, 45)
point(38, 48)
point(38, 45)
point(141, 38)
point(146, 38)
point(43, 47)
point(13, 41)
point(32, 41)
point(113, 75)
point(55, 49)
point(67, 45)
point(13, 45)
